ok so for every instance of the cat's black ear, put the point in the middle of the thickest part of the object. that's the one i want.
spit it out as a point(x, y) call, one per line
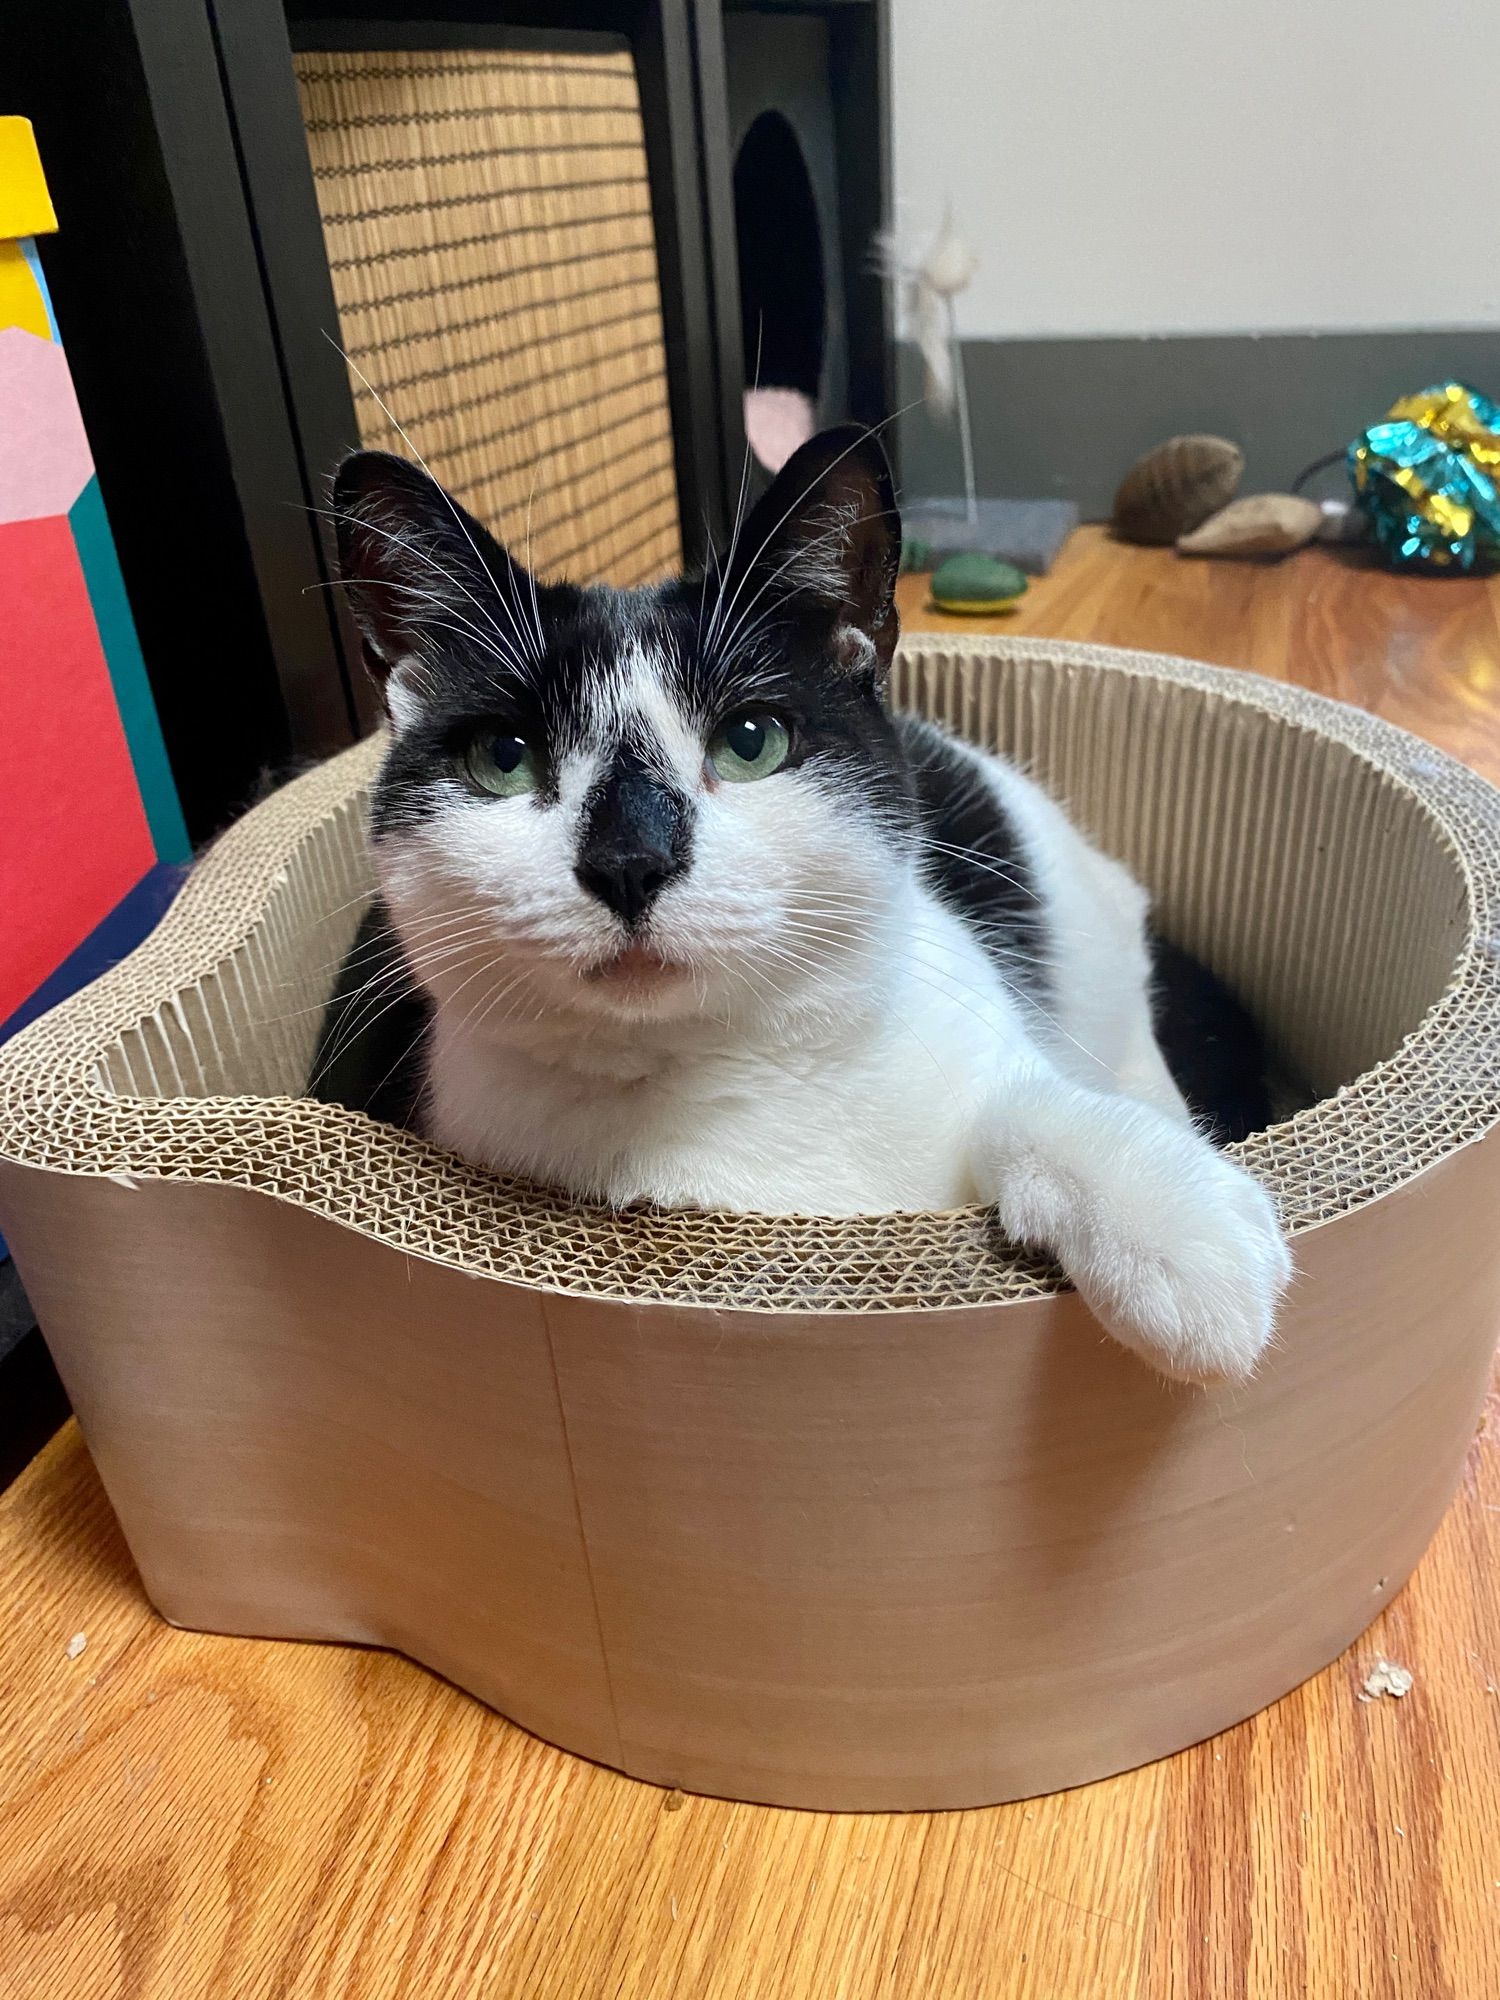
point(824, 544)
point(417, 566)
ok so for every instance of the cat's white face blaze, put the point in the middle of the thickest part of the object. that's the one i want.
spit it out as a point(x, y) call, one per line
point(782, 903)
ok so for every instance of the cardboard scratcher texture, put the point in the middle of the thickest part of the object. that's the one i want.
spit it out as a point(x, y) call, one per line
point(487, 214)
point(839, 1512)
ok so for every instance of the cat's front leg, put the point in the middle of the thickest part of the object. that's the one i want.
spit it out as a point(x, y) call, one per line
point(1174, 1248)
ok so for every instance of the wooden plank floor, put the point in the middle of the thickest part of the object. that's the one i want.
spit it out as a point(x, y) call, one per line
point(183, 1816)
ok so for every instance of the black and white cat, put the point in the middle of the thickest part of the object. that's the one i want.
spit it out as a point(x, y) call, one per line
point(679, 910)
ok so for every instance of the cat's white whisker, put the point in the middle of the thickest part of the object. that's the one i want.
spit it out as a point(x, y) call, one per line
point(739, 509)
point(386, 411)
point(795, 570)
point(536, 610)
point(493, 641)
point(824, 467)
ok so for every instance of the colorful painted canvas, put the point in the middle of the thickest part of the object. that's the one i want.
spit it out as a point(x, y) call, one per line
point(92, 841)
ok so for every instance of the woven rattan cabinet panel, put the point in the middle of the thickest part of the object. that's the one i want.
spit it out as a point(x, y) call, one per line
point(488, 223)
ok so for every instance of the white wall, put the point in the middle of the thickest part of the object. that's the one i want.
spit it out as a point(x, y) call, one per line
point(1206, 166)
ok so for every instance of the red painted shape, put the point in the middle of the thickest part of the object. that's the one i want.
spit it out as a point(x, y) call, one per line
point(73, 831)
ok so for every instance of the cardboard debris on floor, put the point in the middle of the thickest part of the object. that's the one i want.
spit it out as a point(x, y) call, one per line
point(1387, 1678)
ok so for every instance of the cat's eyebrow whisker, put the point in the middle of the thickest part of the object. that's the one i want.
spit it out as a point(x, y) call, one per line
point(838, 531)
point(821, 474)
point(466, 629)
point(493, 640)
point(727, 567)
point(409, 544)
point(509, 598)
point(511, 666)
point(452, 505)
point(778, 525)
point(536, 609)
point(711, 562)
point(510, 602)
point(503, 651)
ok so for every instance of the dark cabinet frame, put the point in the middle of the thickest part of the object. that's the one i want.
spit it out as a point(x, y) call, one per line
point(192, 288)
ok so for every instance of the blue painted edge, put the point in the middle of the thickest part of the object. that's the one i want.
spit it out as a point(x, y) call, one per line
point(127, 672)
point(134, 917)
point(34, 263)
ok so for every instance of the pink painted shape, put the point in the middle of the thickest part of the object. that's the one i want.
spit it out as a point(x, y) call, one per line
point(45, 461)
point(776, 422)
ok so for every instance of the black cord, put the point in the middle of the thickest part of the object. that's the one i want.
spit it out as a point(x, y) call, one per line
point(1318, 465)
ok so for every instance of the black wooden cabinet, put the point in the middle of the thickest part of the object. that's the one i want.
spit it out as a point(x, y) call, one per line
point(192, 287)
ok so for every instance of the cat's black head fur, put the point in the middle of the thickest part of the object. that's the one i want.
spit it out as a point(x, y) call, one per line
point(798, 615)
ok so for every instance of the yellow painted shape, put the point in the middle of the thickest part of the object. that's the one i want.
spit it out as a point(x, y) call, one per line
point(25, 205)
point(21, 302)
point(973, 607)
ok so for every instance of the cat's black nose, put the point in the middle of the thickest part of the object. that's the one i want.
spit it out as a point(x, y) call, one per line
point(637, 837)
point(628, 883)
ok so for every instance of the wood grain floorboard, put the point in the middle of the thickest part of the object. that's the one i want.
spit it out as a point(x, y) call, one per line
point(186, 1816)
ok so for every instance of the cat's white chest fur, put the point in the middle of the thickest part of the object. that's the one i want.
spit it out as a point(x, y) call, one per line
point(842, 1116)
point(869, 1103)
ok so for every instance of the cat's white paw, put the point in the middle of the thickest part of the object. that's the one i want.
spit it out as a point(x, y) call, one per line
point(1174, 1248)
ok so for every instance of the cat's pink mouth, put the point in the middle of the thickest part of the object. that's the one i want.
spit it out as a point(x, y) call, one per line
point(637, 965)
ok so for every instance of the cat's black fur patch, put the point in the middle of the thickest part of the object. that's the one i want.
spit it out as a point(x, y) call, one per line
point(837, 721)
point(1216, 1053)
point(989, 880)
point(372, 1048)
point(429, 582)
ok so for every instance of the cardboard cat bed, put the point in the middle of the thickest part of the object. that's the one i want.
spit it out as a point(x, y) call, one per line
point(828, 1513)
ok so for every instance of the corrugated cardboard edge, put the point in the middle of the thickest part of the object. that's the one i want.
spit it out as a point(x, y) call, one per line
point(1439, 1090)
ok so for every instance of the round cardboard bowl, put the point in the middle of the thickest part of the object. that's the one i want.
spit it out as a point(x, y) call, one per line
point(829, 1513)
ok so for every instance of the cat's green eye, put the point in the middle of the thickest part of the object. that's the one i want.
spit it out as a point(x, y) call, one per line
point(749, 746)
point(503, 765)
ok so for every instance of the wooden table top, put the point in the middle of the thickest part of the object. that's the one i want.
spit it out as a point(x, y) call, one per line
point(186, 1816)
